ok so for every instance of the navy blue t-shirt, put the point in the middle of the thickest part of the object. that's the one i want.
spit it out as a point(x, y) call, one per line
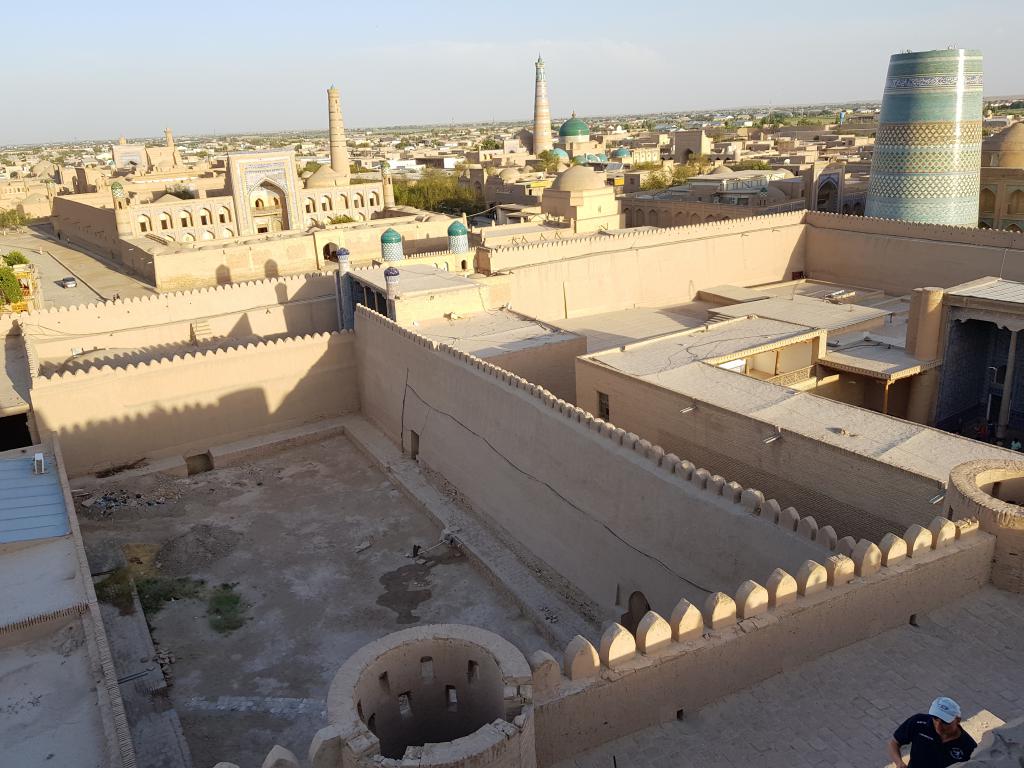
point(927, 749)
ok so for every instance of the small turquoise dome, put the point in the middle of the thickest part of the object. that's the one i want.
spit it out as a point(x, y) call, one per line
point(561, 153)
point(390, 236)
point(579, 160)
point(574, 127)
point(457, 228)
point(620, 152)
point(602, 157)
point(593, 158)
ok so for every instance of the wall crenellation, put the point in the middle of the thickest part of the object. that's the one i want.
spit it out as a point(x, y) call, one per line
point(781, 593)
point(298, 281)
point(945, 232)
point(178, 359)
point(664, 234)
point(754, 500)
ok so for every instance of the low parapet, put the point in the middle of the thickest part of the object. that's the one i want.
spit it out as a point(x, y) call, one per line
point(947, 233)
point(625, 238)
point(142, 302)
point(224, 353)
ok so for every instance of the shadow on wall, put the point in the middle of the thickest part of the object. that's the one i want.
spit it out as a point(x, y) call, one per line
point(270, 269)
point(189, 427)
point(223, 274)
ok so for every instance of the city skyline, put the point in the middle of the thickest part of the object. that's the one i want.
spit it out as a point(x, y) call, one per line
point(266, 82)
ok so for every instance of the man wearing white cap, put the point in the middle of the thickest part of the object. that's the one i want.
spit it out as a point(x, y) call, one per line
point(936, 739)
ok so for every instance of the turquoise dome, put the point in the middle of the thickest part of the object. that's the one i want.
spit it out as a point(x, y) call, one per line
point(457, 228)
point(390, 236)
point(574, 127)
point(579, 160)
point(593, 158)
point(620, 152)
point(561, 153)
point(602, 157)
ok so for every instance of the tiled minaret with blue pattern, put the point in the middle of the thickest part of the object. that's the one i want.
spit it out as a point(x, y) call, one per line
point(458, 237)
point(391, 246)
point(926, 165)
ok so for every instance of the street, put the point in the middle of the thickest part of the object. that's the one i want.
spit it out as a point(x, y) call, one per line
point(97, 280)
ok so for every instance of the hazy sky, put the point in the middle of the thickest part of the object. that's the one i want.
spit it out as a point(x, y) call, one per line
point(93, 70)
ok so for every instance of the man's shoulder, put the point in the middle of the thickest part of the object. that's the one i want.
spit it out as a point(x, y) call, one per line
point(967, 739)
point(922, 718)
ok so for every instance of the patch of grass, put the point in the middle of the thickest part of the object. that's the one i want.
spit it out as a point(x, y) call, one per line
point(155, 591)
point(225, 608)
point(116, 589)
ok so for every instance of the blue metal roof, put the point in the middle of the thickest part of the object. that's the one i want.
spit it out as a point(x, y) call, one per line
point(31, 506)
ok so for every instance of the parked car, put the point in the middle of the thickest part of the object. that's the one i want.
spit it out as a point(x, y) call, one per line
point(68, 282)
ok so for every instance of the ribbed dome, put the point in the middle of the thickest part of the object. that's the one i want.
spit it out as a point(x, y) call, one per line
point(390, 236)
point(574, 127)
point(457, 228)
point(579, 179)
point(722, 170)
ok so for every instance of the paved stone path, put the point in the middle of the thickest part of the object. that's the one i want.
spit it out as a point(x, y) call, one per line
point(841, 709)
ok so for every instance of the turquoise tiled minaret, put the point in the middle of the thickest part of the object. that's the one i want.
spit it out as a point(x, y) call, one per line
point(391, 246)
point(458, 237)
point(927, 160)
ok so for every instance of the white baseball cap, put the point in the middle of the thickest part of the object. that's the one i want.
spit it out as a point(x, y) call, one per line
point(945, 709)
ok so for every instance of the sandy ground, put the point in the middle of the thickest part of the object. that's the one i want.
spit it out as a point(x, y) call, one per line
point(48, 702)
point(317, 541)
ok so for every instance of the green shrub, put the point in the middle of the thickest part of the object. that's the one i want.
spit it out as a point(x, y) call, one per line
point(155, 591)
point(15, 257)
point(225, 608)
point(10, 288)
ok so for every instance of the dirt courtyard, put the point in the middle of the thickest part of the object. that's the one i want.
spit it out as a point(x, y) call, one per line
point(316, 542)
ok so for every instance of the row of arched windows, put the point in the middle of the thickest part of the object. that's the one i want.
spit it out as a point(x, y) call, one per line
point(327, 203)
point(183, 219)
point(207, 234)
point(654, 218)
point(1014, 206)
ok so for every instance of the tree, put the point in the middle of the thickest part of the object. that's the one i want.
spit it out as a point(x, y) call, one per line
point(490, 144)
point(312, 166)
point(656, 180)
point(752, 165)
point(10, 288)
point(437, 191)
point(12, 218)
point(15, 257)
point(548, 161)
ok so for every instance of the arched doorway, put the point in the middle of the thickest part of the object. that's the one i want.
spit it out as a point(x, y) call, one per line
point(828, 196)
point(268, 207)
point(637, 609)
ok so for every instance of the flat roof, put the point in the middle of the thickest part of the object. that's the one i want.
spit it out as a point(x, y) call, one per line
point(486, 334)
point(992, 289)
point(415, 278)
point(731, 337)
point(912, 447)
point(814, 313)
point(624, 326)
point(31, 506)
point(878, 359)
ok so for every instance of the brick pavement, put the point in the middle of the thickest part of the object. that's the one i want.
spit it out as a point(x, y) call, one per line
point(841, 709)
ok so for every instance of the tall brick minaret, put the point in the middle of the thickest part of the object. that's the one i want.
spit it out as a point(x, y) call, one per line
point(541, 112)
point(339, 151)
